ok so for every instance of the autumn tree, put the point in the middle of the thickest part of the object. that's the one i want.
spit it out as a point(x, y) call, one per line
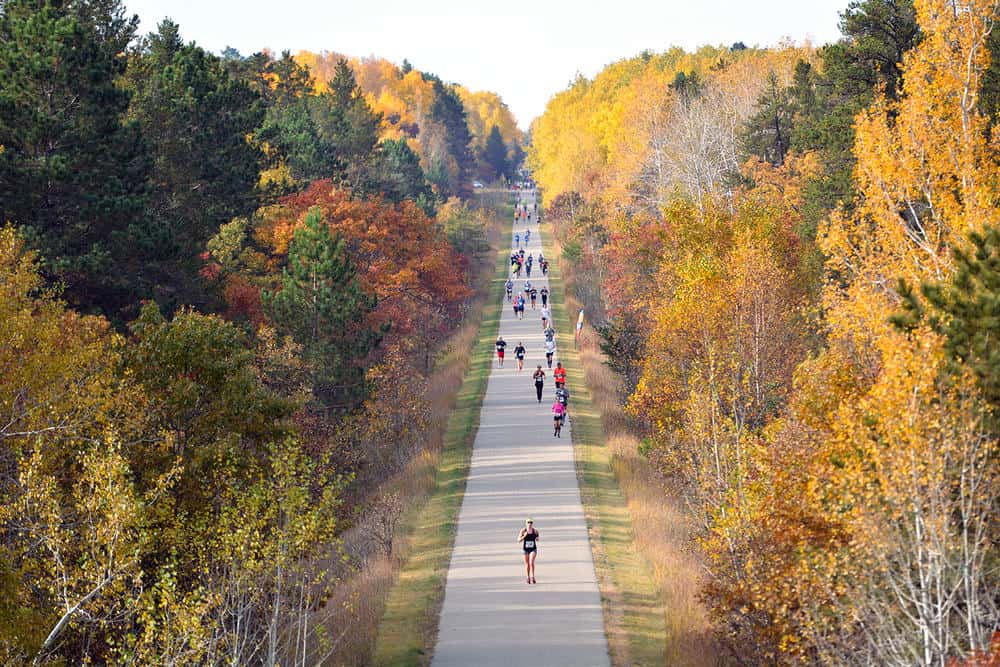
point(72, 524)
point(908, 462)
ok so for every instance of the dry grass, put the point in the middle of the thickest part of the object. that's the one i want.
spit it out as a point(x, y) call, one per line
point(665, 539)
point(667, 561)
point(362, 598)
point(407, 628)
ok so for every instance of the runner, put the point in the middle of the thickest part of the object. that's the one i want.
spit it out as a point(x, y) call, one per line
point(559, 375)
point(527, 237)
point(545, 296)
point(510, 289)
point(501, 345)
point(528, 539)
point(550, 349)
point(558, 411)
point(539, 377)
point(517, 239)
point(520, 307)
point(519, 352)
point(545, 267)
point(550, 333)
point(562, 395)
point(545, 318)
point(534, 297)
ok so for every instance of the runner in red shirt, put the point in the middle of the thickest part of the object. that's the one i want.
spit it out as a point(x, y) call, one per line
point(559, 373)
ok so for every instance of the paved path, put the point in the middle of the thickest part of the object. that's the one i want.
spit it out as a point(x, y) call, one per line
point(490, 615)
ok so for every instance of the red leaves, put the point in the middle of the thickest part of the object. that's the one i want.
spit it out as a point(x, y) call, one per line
point(400, 254)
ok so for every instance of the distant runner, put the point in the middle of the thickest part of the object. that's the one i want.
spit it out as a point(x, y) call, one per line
point(559, 375)
point(558, 412)
point(519, 352)
point(550, 349)
point(545, 296)
point(539, 377)
point(562, 396)
point(501, 345)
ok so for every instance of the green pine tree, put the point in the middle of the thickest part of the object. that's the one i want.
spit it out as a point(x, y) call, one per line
point(321, 305)
point(768, 132)
point(450, 112)
point(399, 175)
point(821, 107)
point(495, 153)
point(73, 175)
point(196, 117)
point(966, 310)
point(350, 128)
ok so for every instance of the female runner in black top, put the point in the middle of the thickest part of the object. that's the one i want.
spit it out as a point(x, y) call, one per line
point(539, 378)
point(528, 539)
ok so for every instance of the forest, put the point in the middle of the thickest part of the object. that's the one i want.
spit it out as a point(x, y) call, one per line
point(793, 255)
point(216, 272)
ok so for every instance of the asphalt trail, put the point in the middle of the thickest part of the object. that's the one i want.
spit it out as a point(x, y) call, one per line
point(490, 615)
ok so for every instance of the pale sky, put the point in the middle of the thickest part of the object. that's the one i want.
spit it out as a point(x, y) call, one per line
point(525, 51)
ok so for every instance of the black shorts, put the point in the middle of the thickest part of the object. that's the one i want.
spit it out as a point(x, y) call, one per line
point(531, 550)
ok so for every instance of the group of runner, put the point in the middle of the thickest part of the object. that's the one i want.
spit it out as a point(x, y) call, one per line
point(529, 293)
point(523, 262)
point(523, 213)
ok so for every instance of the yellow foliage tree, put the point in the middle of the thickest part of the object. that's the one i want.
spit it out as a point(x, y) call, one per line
point(892, 511)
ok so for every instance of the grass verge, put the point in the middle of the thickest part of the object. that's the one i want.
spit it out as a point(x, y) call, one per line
point(634, 615)
point(408, 626)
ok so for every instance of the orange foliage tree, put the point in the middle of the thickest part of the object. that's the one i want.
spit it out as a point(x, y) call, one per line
point(401, 255)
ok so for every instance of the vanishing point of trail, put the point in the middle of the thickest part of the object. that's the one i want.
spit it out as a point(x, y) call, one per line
point(490, 615)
